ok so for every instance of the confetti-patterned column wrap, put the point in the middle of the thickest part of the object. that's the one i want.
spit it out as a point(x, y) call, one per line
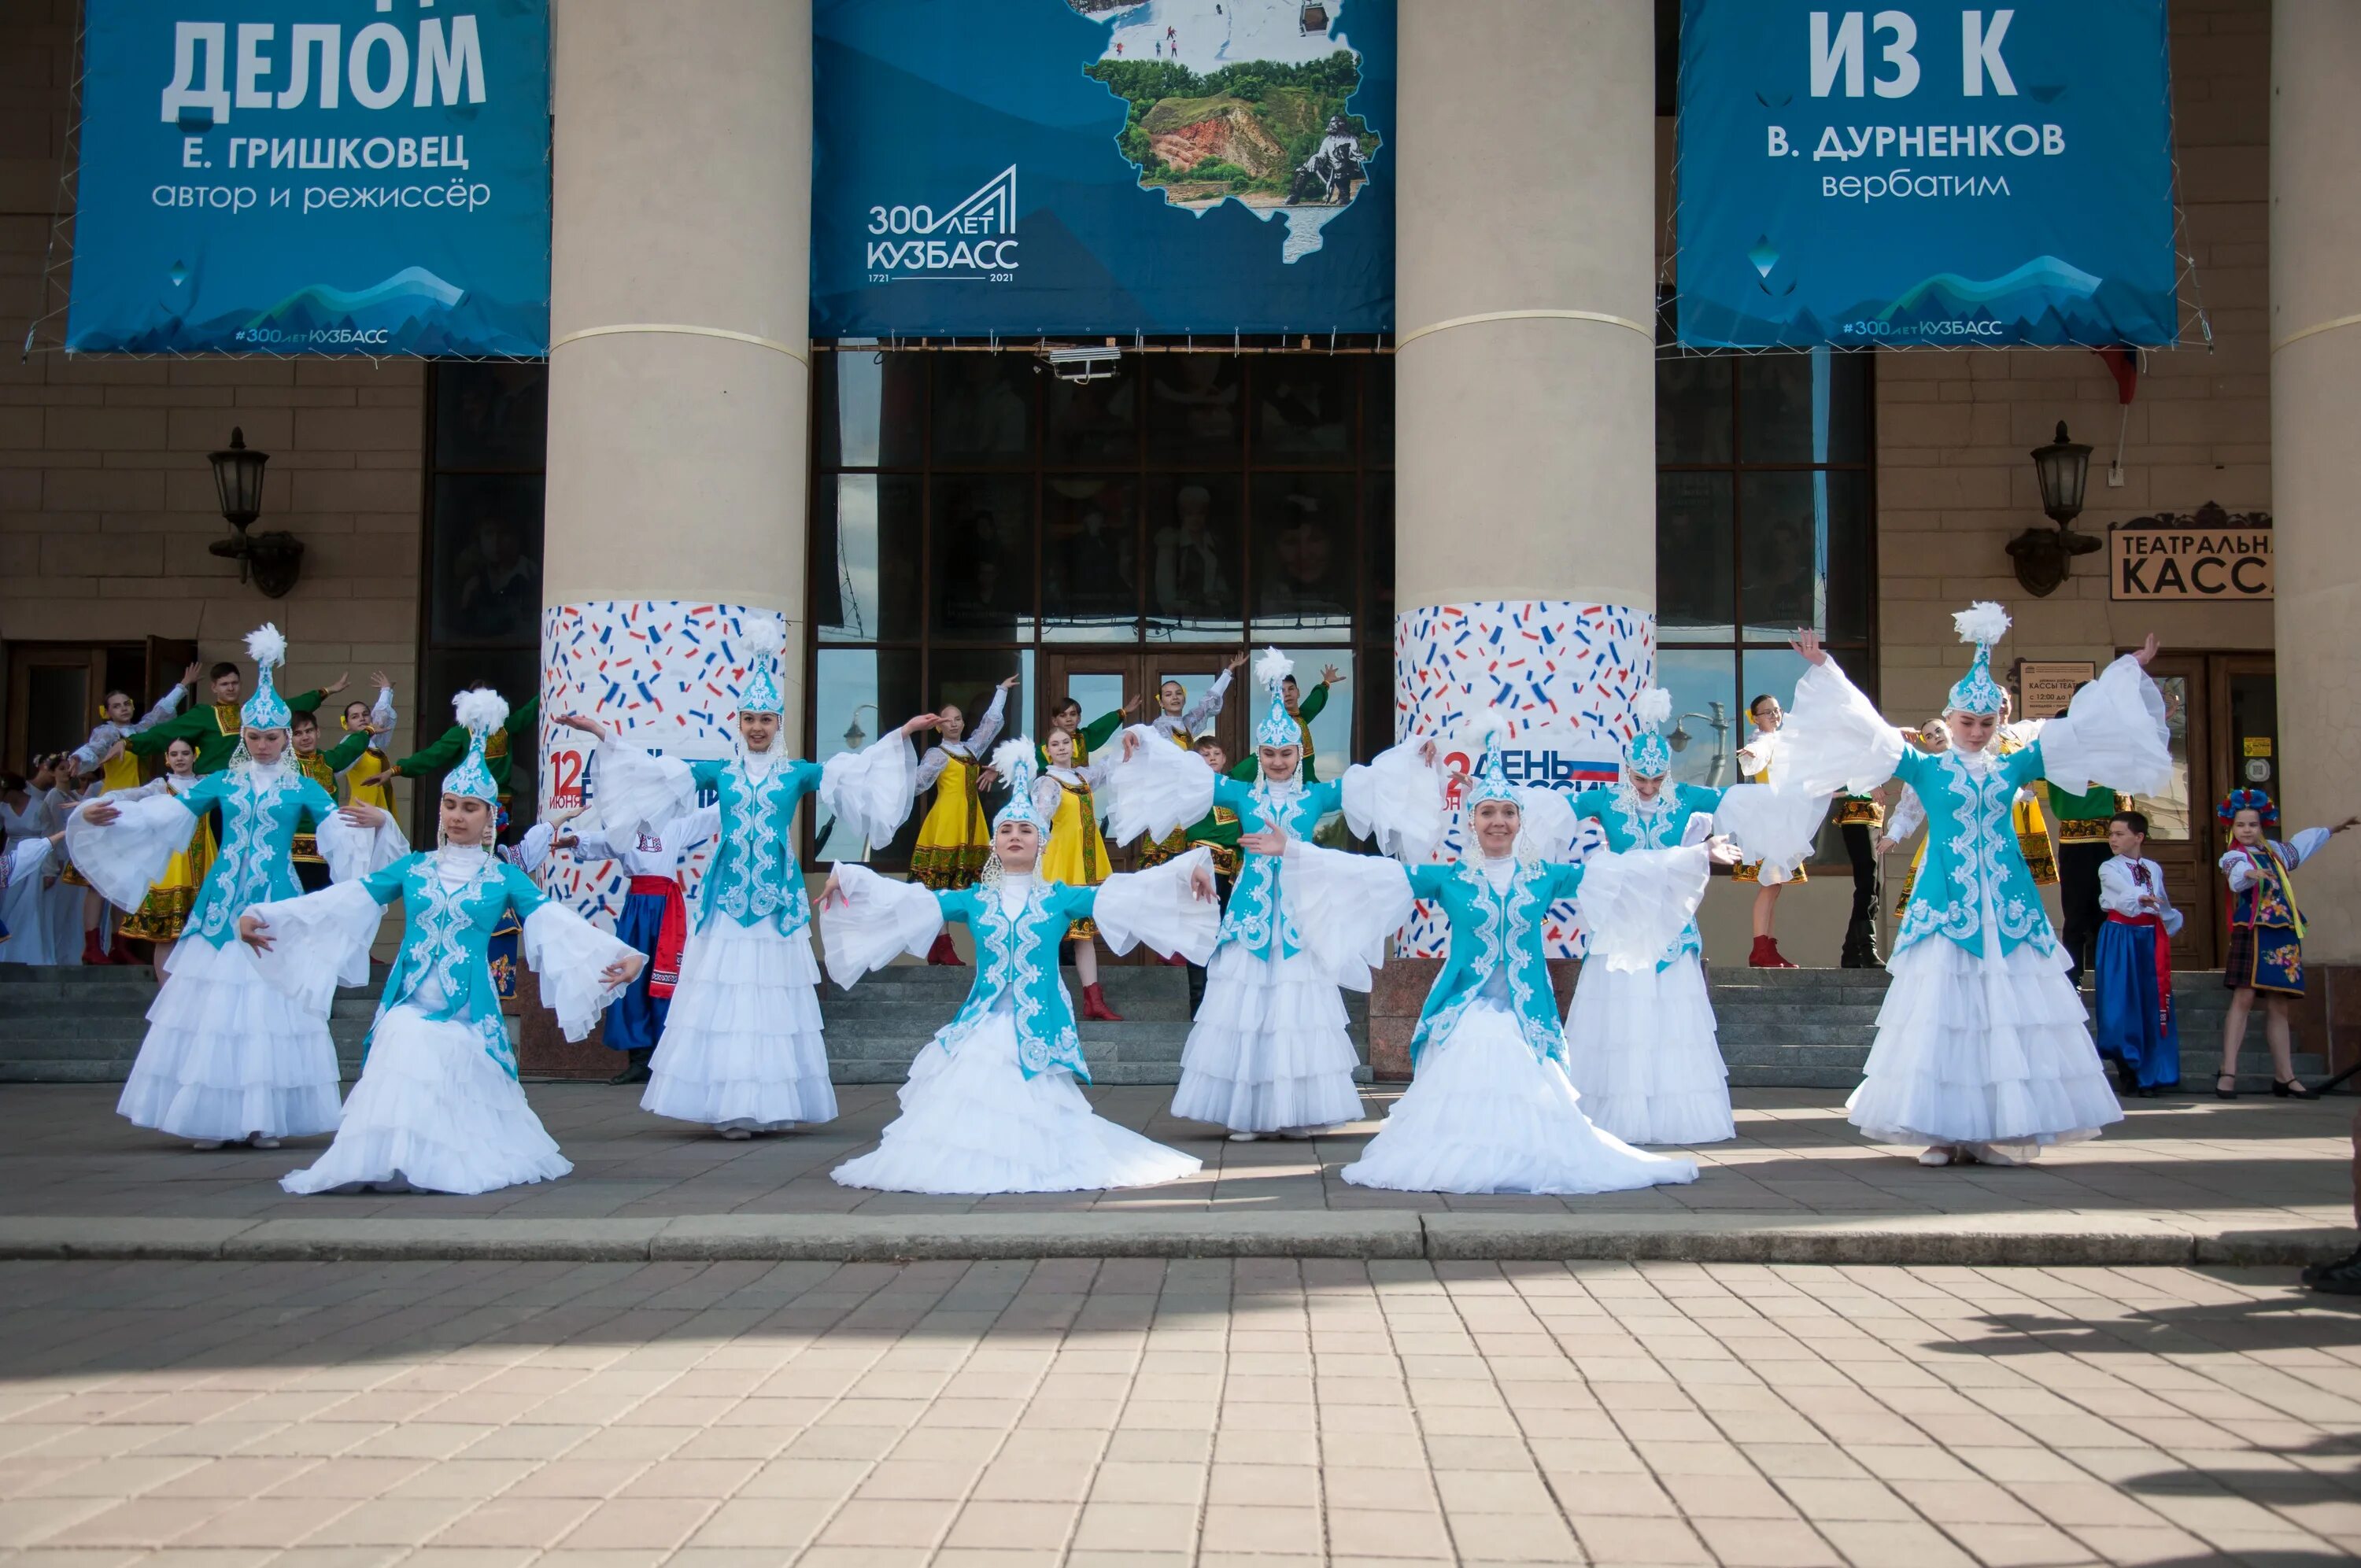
point(1564, 673)
point(666, 672)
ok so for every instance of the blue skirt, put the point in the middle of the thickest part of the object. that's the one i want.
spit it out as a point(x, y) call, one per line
point(2136, 1025)
point(635, 1020)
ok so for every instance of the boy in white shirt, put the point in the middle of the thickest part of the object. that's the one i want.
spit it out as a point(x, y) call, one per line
point(2138, 1029)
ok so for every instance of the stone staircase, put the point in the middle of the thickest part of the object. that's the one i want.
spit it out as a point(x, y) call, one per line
point(1807, 1028)
point(1811, 1028)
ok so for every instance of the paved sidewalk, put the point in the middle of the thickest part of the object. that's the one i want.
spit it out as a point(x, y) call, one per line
point(1262, 1414)
point(2256, 1180)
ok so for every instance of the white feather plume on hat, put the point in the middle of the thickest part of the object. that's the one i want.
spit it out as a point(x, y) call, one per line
point(266, 645)
point(762, 634)
point(1982, 623)
point(1272, 666)
point(1652, 707)
point(1008, 754)
point(481, 710)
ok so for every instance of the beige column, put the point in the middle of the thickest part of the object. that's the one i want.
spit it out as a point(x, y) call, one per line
point(1524, 284)
point(679, 377)
point(2315, 463)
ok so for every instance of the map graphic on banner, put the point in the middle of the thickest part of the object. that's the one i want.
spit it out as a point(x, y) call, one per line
point(1928, 173)
point(313, 177)
point(1104, 166)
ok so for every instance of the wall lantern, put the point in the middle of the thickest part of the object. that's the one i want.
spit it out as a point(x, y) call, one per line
point(270, 561)
point(2044, 556)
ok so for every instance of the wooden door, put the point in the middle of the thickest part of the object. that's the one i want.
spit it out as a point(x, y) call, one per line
point(53, 699)
point(166, 660)
point(2180, 817)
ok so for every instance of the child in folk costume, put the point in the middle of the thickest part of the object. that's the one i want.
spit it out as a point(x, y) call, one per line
point(1269, 1052)
point(741, 1049)
point(1755, 759)
point(1065, 798)
point(1645, 1058)
point(38, 910)
point(1088, 738)
point(1982, 1051)
point(107, 755)
point(997, 1108)
point(653, 921)
point(2137, 1030)
point(2265, 956)
point(324, 769)
point(438, 1107)
point(164, 913)
point(369, 777)
point(1489, 1108)
point(227, 1056)
point(955, 838)
point(1179, 722)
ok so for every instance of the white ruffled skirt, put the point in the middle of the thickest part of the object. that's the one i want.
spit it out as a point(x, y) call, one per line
point(1485, 1115)
point(972, 1124)
point(1644, 1057)
point(228, 1056)
point(742, 1045)
point(1982, 1050)
point(432, 1111)
point(1272, 1049)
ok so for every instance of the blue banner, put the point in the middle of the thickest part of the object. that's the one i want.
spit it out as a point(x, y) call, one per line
point(1102, 166)
point(313, 177)
point(1925, 174)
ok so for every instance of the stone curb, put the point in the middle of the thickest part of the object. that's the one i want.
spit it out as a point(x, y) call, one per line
point(2062, 1240)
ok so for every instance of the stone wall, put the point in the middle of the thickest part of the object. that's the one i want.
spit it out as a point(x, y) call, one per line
point(106, 501)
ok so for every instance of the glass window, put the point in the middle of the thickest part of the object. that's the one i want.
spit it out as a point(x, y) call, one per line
point(868, 409)
point(858, 694)
point(1195, 565)
point(965, 678)
point(1693, 411)
point(1377, 415)
point(487, 550)
point(1705, 729)
point(2168, 812)
point(1089, 558)
point(864, 547)
point(1324, 679)
point(980, 556)
point(1304, 409)
point(1193, 409)
point(1811, 407)
point(490, 416)
point(1094, 422)
point(1695, 581)
point(984, 409)
point(1302, 556)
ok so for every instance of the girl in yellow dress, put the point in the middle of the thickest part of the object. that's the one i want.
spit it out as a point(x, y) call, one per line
point(368, 778)
point(956, 833)
point(161, 917)
point(1076, 854)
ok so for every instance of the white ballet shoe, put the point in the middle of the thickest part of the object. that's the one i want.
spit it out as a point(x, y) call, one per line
point(1246, 1137)
point(260, 1142)
point(208, 1144)
point(737, 1135)
point(1937, 1155)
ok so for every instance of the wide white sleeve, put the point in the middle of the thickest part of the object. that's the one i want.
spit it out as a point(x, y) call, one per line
point(26, 858)
point(318, 942)
point(635, 789)
point(1550, 825)
point(1908, 814)
point(1836, 740)
point(870, 792)
point(1772, 825)
point(1159, 788)
point(594, 844)
point(166, 707)
point(91, 752)
point(1395, 799)
point(877, 921)
point(931, 766)
point(1209, 707)
point(1158, 907)
point(1635, 905)
point(2112, 733)
point(2303, 846)
point(381, 714)
point(570, 956)
point(682, 834)
point(352, 852)
point(1345, 908)
point(2118, 894)
point(124, 859)
point(987, 728)
point(533, 847)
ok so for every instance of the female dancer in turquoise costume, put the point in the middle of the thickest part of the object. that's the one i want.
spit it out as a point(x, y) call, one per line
point(1269, 1052)
point(1982, 1052)
point(228, 1058)
point(742, 1049)
point(1490, 1109)
point(438, 1107)
point(1646, 1058)
point(993, 1103)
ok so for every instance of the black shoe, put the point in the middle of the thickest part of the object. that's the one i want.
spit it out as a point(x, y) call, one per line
point(2289, 1089)
point(2341, 1277)
point(2126, 1079)
point(635, 1071)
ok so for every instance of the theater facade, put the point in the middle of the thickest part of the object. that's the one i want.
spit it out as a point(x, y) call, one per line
point(1517, 487)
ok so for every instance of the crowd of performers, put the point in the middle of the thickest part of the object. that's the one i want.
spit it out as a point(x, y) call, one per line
point(1982, 1051)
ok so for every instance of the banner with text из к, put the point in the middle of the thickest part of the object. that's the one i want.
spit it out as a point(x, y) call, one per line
point(1925, 173)
point(1102, 166)
point(313, 177)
